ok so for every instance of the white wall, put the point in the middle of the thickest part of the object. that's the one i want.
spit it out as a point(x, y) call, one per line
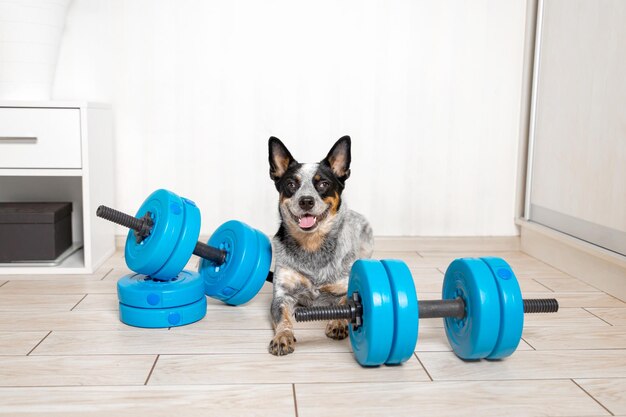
point(429, 91)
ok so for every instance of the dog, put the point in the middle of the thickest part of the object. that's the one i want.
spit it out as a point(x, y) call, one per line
point(318, 240)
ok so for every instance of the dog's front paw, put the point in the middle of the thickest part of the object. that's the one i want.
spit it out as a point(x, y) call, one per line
point(282, 344)
point(337, 329)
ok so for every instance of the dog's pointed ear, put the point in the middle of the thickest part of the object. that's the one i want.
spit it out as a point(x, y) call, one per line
point(338, 159)
point(279, 157)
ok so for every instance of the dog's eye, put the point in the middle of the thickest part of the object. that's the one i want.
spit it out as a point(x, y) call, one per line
point(323, 185)
point(292, 185)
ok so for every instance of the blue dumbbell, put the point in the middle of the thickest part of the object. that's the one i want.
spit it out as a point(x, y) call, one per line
point(482, 308)
point(164, 234)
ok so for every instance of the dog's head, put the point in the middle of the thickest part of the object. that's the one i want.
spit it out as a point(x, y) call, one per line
point(310, 194)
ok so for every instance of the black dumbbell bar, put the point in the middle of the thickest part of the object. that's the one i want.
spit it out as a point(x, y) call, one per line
point(143, 227)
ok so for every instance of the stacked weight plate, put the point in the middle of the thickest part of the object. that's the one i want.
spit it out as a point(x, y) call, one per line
point(161, 293)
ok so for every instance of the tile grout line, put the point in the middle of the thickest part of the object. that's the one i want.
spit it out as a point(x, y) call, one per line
point(107, 274)
point(591, 396)
point(566, 273)
point(532, 347)
point(423, 367)
point(79, 301)
point(152, 369)
point(585, 309)
point(40, 342)
point(295, 400)
point(543, 285)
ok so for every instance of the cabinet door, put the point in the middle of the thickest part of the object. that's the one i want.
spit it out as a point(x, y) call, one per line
point(577, 160)
point(39, 138)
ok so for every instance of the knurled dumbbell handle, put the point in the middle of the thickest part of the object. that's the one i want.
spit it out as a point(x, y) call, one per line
point(143, 227)
point(427, 309)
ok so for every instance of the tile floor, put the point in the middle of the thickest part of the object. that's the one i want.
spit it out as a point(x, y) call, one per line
point(63, 352)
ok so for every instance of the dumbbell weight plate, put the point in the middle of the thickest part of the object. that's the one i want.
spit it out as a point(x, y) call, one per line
point(371, 342)
point(166, 251)
point(406, 316)
point(142, 291)
point(163, 317)
point(475, 335)
point(511, 308)
point(241, 244)
point(259, 272)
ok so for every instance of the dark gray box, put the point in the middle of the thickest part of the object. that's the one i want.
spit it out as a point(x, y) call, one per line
point(34, 231)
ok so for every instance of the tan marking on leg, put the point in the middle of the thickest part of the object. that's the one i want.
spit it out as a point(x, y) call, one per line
point(337, 288)
point(284, 340)
point(290, 280)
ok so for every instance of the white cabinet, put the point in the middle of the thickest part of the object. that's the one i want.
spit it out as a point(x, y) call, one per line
point(61, 151)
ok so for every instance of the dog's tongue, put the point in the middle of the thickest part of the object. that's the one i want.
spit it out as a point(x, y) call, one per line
point(307, 221)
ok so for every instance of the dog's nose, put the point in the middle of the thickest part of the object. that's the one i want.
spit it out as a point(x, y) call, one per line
point(306, 203)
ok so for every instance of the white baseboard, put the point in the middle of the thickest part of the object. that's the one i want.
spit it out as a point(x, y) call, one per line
point(599, 267)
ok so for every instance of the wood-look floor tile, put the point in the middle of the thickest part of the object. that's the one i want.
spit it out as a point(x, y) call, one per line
point(163, 341)
point(19, 342)
point(566, 284)
point(24, 371)
point(236, 318)
point(38, 302)
point(99, 302)
point(61, 320)
point(117, 272)
point(556, 364)
point(530, 285)
point(579, 299)
point(614, 316)
point(241, 318)
point(262, 301)
point(451, 255)
point(455, 399)
point(402, 255)
point(54, 287)
point(564, 317)
point(274, 400)
point(447, 244)
point(58, 277)
point(562, 338)
point(432, 339)
point(298, 367)
point(611, 393)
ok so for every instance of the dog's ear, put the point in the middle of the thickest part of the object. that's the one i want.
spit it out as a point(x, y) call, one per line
point(280, 158)
point(338, 159)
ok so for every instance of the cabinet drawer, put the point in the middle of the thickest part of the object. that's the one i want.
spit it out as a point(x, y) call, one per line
point(39, 138)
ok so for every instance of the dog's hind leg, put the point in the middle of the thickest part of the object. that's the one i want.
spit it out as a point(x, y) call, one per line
point(336, 329)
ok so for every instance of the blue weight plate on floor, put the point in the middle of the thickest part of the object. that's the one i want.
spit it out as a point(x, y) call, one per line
point(242, 254)
point(259, 273)
point(185, 244)
point(163, 317)
point(405, 311)
point(149, 256)
point(137, 290)
point(371, 342)
point(511, 308)
point(475, 335)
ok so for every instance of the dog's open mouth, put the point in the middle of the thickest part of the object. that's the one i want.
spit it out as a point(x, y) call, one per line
point(307, 221)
